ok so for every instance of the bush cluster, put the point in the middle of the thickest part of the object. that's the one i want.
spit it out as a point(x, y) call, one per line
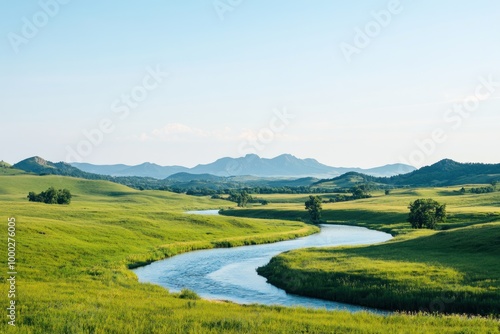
point(51, 196)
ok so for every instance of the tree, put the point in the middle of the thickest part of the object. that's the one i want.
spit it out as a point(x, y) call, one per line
point(313, 205)
point(360, 191)
point(242, 198)
point(264, 201)
point(32, 197)
point(51, 196)
point(426, 213)
point(63, 196)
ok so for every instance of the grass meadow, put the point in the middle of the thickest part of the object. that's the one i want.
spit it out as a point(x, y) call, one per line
point(452, 270)
point(73, 265)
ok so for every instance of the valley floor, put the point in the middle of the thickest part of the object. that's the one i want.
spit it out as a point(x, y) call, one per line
point(73, 261)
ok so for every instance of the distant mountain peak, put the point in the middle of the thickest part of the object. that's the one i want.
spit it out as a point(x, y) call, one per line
point(39, 165)
point(37, 160)
point(447, 162)
point(446, 165)
point(286, 155)
point(284, 165)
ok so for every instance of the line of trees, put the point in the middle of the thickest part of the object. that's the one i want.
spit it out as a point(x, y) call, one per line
point(207, 191)
point(51, 196)
point(358, 192)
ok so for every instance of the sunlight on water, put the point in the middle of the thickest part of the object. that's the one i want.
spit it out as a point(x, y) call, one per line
point(230, 273)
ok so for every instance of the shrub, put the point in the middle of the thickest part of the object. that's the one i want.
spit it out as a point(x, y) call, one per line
point(51, 196)
point(188, 294)
point(426, 213)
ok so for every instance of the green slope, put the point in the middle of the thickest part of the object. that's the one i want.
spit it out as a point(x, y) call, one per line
point(443, 173)
point(452, 271)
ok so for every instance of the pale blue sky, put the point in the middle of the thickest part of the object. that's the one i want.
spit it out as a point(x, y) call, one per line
point(227, 77)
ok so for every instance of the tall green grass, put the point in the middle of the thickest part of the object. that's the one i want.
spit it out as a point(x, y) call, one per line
point(73, 261)
point(454, 270)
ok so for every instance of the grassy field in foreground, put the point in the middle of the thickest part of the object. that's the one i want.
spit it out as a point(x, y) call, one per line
point(73, 276)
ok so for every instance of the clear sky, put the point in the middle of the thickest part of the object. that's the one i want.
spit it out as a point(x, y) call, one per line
point(349, 83)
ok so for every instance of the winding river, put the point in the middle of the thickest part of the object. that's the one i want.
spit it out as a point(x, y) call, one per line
point(229, 273)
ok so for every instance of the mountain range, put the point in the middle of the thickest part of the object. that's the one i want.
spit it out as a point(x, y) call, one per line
point(285, 165)
point(443, 173)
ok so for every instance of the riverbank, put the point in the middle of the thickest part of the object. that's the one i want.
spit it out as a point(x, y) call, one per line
point(449, 271)
point(169, 250)
point(229, 274)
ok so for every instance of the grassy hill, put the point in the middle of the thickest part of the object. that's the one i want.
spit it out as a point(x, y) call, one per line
point(349, 180)
point(7, 169)
point(443, 173)
point(73, 278)
point(448, 172)
point(451, 271)
point(37, 165)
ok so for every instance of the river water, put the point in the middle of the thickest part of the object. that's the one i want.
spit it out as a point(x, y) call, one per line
point(230, 273)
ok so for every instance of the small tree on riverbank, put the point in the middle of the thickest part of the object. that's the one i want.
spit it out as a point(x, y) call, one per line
point(313, 206)
point(241, 198)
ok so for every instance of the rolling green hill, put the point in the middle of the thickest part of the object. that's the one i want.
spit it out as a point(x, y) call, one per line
point(40, 166)
point(349, 180)
point(447, 173)
point(7, 169)
point(443, 173)
point(4, 164)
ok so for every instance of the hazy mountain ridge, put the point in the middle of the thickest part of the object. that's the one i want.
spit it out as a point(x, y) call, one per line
point(284, 165)
point(443, 173)
point(146, 169)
